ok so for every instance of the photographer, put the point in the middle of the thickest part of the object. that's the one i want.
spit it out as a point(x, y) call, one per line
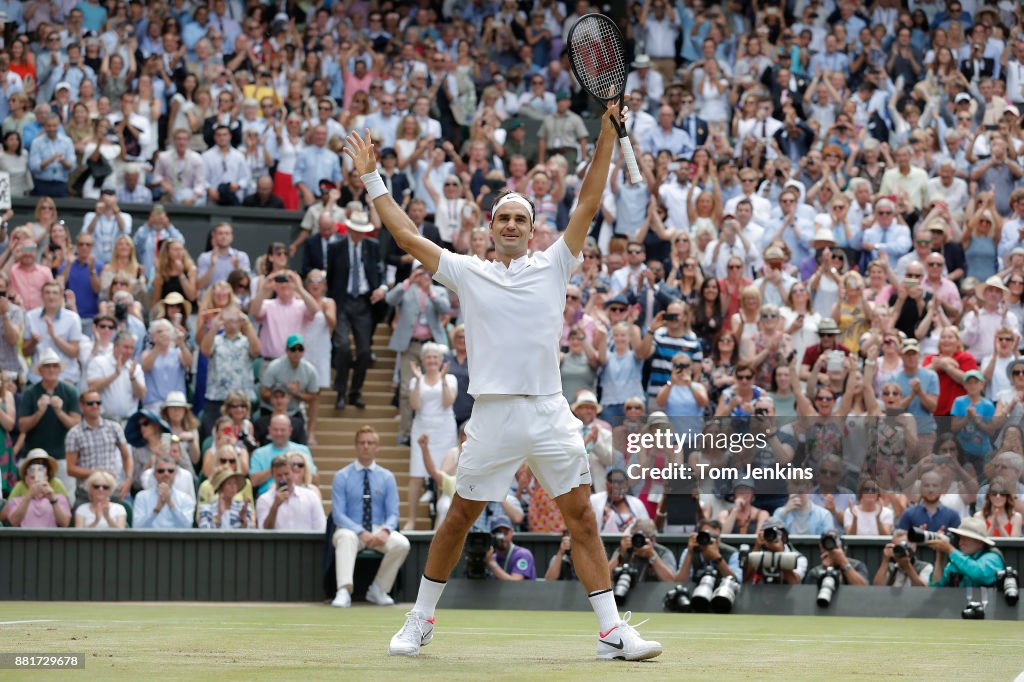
point(704, 550)
point(615, 509)
point(773, 537)
point(830, 546)
point(652, 561)
point(901, 566)
point(974, 564)
point(560, 567)
point(505, 560)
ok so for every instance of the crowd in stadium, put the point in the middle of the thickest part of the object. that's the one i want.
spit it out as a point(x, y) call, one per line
point(827, 247)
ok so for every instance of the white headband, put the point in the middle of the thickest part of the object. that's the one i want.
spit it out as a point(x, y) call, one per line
point(516, 198)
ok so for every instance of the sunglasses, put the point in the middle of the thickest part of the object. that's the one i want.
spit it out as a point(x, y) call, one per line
point(92, 403)
point(735, 267)
point(870, 490)
point(451, 184)
point(296, 349)
point(616, 309)
point(680, 367)
point(885, 213)
point(1018, 372)
point(101, 487)
point(572, 297)
point(727, 339)
point(635, 407)
point(913, 275)
point(298, 465)
point(233, 406)
point(165, 471)
point(745, 377)
point(228, 461)
point(922, 242)
point(770, 316)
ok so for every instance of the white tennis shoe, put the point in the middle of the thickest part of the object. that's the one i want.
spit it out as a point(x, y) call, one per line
point(417, 632)
point(376, 595)
point(624, 643)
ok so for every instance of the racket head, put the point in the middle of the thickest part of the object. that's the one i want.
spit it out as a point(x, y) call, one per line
point(597, 57)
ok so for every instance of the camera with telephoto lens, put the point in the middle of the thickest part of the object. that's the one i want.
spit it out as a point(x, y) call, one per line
point(677, 600)
point(1006, 580)
point(725, 595)
point(639, 540)
point(828, 585)
point(703, 538)
point(974, 610)
point(771, 534)
point(830, 540)
point(624, 577)
point(477, 545)
point(920, 535)
point(780, 561)
point(701, 597)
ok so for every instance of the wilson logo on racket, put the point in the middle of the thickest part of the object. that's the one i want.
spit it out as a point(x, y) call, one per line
point(599, 57)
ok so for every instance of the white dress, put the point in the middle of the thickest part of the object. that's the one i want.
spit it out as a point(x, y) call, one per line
point(318, 347)
point(434, 420)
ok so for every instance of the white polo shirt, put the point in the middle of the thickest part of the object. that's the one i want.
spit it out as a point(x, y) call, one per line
point(513, 318)
point(119, 402)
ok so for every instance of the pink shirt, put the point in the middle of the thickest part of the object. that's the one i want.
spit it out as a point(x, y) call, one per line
point(353, 84)
point(280, 321)
point(28, 283)
point(40, 512)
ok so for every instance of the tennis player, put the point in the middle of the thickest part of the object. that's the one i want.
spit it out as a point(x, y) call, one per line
point(513, 311)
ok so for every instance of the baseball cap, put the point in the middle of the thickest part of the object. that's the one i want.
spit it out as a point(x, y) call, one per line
point(563, 94)
point(294, 340)
point(974, 374)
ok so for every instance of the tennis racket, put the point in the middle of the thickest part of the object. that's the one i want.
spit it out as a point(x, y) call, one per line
point(597, 57)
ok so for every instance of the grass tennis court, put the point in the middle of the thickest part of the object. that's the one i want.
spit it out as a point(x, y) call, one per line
point(162, 641)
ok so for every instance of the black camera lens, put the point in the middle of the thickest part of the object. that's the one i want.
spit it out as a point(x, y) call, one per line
point(829, 540)
point(703, 538)
point(639, 540)
point(770, 534)
point(901, 550)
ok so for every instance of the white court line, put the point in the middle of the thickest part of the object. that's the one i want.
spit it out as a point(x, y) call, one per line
point(22, 622)
point(467, 632)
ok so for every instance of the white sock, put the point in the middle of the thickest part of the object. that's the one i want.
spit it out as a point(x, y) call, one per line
point(604, 606)
point(428, 596)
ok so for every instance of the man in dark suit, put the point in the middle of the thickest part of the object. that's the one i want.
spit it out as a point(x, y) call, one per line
point(395, 180)
point(355, 290)
point(394, 256)
point(315, 252)
point(977, 65)
point(691, 122)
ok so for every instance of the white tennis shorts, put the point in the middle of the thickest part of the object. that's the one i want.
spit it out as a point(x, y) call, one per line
point(506, 430)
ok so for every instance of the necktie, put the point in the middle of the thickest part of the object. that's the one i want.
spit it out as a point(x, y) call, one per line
point(353, 285)
point(323, 251)
point(367, 506)
point(764, 129)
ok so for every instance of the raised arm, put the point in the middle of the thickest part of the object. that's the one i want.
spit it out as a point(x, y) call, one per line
point(593, 184)
point(395, 221)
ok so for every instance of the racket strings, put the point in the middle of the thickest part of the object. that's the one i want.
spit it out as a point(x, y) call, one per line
point(597, 50)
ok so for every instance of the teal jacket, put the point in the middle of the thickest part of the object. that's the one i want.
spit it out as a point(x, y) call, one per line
point(975, 570)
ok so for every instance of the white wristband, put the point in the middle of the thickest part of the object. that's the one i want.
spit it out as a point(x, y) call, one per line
point(374, 185)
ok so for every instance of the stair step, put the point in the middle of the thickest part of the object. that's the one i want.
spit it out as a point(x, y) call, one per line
point(370, 412)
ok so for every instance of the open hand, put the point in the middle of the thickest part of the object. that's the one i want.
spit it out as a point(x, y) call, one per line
point(360, 151)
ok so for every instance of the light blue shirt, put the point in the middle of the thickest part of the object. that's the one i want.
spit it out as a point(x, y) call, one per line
point(895, 241)
point(386, 126)
point(733, 562)
point(262, 457)
point(43, 149)
point(177, 516)
point(813, 521)
point(347, 497)
point(930, 385)
point(676, 140)
point(315, 164)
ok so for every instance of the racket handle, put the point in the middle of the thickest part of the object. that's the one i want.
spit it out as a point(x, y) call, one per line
point(627, 154)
